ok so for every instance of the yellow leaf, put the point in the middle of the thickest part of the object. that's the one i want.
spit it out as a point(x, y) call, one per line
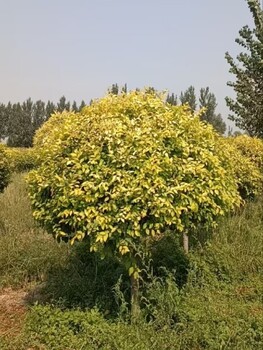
point(123, 249)
point(131, 270)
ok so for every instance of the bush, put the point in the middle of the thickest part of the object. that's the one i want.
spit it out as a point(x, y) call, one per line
point(22, 159)
point(4, 168)
point(48, 131)
point(126, 168)
point(248, 173)
point(251, 147)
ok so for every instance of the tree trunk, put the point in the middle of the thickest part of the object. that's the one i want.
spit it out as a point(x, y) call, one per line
point(135, 306)
point(186, 242)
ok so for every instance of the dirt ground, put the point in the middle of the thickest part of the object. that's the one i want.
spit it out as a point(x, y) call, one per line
point(12, 311)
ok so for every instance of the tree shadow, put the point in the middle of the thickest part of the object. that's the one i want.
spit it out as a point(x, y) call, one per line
point(168, 256)
point(86, 281)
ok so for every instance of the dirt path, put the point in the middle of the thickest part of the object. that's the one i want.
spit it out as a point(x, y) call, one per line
point(12, 311)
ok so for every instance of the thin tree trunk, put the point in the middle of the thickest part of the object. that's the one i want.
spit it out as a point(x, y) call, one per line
point(135, 307)
point(186, 242)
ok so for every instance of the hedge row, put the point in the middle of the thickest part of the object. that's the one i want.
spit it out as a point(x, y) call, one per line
point(21, 159)
point(246, 154)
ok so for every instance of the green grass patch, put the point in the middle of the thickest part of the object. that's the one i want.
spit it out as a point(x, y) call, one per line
point(26, 251)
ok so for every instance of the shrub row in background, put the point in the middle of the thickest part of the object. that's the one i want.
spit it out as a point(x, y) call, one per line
point(21, 159)
point(251, 147)
point(4, 168)
point(246, 154)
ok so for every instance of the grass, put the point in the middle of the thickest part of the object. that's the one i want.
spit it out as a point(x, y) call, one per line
point(213, 301)
point(27, 252)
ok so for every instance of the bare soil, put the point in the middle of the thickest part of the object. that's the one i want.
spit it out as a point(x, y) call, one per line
point(12, 311)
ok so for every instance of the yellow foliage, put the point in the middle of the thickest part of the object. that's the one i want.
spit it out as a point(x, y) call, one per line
point(4, 168)
point(246, 154)
point(128, 167)
point(21, 159)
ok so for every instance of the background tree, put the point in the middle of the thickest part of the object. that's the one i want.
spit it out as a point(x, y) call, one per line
point(124, 89)
point(50, 109)
point(207, 100)
point(247, 107)
point(19, 122)
point(114, 89)
point(74, 106)
point(20, 125)
point(188, 97)
point(172, 99)
point(3, 121)
point(39, 115)
point(63, 105)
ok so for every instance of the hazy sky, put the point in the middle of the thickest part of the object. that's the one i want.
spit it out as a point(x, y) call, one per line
point(51, 48)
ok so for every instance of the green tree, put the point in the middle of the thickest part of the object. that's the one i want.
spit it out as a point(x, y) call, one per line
point(39, 114)
point(82, 105)
point(188, 97)
point(247, 107)
point(20, 129)
point(207, 100)
point(63, 105)
point(3, 121)
point(172, 99)
point(114, 89)
point(124, 89)
point(74, 106)
point(50, 109)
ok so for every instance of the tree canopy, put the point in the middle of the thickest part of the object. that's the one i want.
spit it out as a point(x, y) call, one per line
point(127, 168)
point(247, 107)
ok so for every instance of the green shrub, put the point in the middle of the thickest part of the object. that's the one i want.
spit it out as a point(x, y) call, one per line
point(4, 168)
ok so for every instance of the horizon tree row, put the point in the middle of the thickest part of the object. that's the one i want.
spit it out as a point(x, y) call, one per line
point(206, 99)
point(19, 121)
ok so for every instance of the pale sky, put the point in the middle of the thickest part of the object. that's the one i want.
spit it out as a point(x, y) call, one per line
point(51, 48)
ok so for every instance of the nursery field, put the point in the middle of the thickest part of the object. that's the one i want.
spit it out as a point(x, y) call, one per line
point(135, 222)
point(53, 296)
point(158, 230)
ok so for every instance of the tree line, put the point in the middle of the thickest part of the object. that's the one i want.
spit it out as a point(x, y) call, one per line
point(247, 67)
point(205, 100)
point(19, 121)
